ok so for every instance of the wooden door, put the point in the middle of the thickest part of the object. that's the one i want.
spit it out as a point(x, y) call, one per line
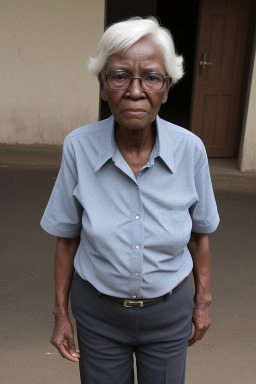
point(219, 70)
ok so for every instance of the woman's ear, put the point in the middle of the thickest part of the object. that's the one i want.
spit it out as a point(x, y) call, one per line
point(103, 92)
point(102, 87)
point(167, 88)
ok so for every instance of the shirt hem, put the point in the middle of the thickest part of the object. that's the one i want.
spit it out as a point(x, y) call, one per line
point(52, 230)
point(207, 228)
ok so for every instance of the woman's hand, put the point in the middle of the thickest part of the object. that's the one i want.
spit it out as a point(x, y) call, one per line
point(63, 338)
point(201, 320)
point(200, 252)
point(63, 334)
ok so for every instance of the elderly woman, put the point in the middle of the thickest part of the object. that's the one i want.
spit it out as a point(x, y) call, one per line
point(132, 208)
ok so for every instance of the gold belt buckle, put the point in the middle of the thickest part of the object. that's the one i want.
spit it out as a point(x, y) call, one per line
point(131, 303)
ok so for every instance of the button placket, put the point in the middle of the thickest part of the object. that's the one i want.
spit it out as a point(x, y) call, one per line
point(146, 166)
point(137, 247)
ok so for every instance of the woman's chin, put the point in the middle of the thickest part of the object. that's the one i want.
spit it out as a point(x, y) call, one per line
point(135, 120)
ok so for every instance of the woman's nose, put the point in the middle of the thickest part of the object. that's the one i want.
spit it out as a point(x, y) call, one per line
point(135, 88)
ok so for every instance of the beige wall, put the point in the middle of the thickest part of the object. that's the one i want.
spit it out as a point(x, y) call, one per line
point(247, 158)
point(46, 90)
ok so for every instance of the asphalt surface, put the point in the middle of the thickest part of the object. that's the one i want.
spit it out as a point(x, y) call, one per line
point(226, 355)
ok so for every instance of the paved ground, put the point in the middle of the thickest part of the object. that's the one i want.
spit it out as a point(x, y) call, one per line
point(227, 354)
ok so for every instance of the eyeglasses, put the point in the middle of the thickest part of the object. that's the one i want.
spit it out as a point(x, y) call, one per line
point(120, 80)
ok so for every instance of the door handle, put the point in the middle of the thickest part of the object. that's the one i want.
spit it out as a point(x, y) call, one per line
point(203, 63)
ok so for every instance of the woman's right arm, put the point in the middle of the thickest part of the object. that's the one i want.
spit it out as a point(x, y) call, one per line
point(63, 334)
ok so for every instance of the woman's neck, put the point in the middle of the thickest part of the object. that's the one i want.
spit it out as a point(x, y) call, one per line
point(135, 141)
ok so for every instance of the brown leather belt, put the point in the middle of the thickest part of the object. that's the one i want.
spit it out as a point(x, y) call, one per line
point(140, 303)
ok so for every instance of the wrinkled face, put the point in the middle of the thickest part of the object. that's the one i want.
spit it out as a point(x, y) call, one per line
point(135, 108)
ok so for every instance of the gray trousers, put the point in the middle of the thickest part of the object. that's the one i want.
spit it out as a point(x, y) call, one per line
point(109, 334)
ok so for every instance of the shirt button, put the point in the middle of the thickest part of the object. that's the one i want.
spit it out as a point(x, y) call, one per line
point(137, 217)
point(137, 247)
point(136, 274)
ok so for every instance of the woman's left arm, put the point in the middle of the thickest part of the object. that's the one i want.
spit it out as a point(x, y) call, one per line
point(200, 252)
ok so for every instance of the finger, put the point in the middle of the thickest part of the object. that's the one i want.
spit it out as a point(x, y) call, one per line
point(66, 354)
point(71, 346)
point(198, 335)
point(191, 339)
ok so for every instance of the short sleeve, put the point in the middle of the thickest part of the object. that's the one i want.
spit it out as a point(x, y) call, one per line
point(204, 213)
point(63, 214)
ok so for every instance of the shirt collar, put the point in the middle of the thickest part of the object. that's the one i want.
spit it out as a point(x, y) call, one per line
point(107, 146)
point(105, 143)
point(165, 143)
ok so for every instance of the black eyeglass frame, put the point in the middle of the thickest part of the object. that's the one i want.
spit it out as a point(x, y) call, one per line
point(134, 78)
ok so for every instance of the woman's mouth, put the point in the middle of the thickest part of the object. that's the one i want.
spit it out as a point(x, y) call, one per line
point(134, 111)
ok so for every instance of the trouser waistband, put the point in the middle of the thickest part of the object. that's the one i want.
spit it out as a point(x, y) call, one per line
point(131, 303)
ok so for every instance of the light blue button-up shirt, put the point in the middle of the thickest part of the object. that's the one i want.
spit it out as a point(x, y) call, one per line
point(134, 232)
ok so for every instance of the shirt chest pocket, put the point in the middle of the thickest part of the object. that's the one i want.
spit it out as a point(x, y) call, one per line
point(178, 225)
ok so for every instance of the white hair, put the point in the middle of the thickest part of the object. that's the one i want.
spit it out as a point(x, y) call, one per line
point(122, 35)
